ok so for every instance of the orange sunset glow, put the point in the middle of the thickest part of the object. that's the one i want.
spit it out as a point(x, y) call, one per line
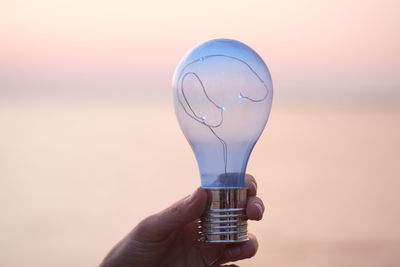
point(90, 145)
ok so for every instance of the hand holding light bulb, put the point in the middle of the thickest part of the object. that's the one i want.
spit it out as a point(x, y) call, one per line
point(170, 237)
point(223, 95)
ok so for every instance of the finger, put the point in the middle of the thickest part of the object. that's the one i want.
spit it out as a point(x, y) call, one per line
point(241, 251)
point(159, 226)
point(211, 253)
point(255, 208)
point(251, 184)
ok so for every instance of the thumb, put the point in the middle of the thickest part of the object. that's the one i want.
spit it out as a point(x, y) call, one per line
point(159, 226)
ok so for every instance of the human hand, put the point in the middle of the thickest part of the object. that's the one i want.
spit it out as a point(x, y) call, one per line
point(170, 237)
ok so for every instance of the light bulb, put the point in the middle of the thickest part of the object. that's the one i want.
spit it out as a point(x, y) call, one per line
point(222, 95)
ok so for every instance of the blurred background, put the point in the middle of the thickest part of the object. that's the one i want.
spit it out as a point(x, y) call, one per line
point(88, 134)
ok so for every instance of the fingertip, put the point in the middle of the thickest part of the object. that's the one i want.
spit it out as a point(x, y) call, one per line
point(251, 184)
point(199, 197)
point(255, 208)
point(260, 211)
point(248, 175)
point(202, 193)
point(241, 251)
point(254, 240)
point(195, 203)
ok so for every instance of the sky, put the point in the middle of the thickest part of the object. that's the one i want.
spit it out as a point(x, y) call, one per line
point(129, 49)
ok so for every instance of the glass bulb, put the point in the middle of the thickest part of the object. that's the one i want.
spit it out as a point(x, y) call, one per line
point(222, 94)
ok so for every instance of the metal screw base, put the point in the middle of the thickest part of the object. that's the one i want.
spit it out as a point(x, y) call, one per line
point(224, 220)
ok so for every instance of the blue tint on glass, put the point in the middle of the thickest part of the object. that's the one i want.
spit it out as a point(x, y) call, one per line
point(222, 96)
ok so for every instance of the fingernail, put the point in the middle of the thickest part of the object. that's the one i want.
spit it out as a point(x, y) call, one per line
point(254, 185)
point(259, 207)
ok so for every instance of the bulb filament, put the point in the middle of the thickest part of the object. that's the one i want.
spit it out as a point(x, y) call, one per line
point(187, 107)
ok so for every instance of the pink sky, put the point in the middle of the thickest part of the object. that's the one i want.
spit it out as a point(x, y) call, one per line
point(313, 48)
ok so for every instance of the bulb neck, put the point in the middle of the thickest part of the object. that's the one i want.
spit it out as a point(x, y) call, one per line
point(224, 220)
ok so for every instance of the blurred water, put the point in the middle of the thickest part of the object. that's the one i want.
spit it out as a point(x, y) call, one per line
point(74, 178)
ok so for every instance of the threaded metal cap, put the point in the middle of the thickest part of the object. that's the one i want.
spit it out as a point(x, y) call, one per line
point(224, 220)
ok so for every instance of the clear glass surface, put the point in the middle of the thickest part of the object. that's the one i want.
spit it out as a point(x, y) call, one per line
point(222, 94)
